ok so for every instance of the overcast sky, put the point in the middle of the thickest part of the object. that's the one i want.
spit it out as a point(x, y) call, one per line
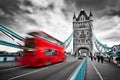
point(55, 17)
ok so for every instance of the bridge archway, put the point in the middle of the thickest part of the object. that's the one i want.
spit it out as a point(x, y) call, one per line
point(82, 51)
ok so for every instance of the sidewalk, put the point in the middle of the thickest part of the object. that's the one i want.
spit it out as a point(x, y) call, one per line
point(102, 71)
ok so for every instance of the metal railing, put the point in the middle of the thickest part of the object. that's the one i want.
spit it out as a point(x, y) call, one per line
point(7, 58)
point(79, 73)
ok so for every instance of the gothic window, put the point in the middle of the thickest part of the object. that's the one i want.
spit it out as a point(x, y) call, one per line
point(86, 24)
point(89, 41)
point(87, 33)
point(82, 40)
point(77, 43)
point(80, 24)
point(83, 18)
point(80, 19)
point(77, 25)
point(78, 32)
point(79, 40)
point(82, 32)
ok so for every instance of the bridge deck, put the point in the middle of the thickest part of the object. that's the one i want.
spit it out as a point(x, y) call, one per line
point(102, 71)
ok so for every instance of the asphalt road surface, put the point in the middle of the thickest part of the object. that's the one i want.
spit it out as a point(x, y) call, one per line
point(60, 71)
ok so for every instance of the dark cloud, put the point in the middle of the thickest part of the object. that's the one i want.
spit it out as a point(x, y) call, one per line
point(10, 6)
point(89, 4)
point(100, 7)
point(113, 13)
point(27, 3)
point(15, 17)
point(51, 6)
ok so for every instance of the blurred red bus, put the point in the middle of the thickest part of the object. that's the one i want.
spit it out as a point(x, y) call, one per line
point(41, 49)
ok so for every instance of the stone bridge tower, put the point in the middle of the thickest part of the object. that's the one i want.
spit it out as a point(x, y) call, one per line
point(82, 36)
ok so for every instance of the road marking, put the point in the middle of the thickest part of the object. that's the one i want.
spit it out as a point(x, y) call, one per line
point(97, 71)
point(27, 73)
point(12, 68)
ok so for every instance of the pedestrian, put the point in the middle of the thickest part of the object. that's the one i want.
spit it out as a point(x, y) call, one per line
point(98, 58)
point(101, 58)
point(95, 58)
point(108, 58)
point(91, 56)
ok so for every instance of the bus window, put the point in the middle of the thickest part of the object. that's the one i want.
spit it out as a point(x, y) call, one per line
point(50, 52)
point(54, 52)
point(30, 44)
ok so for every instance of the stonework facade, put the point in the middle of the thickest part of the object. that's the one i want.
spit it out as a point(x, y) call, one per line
point(82, 36)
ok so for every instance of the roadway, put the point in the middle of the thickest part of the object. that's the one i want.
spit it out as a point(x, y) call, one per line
point(60, 71)
point(102, 71)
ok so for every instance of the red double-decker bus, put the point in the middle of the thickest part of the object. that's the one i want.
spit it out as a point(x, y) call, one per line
point(41, 49)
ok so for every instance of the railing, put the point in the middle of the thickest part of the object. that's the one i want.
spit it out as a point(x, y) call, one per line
point(79, 73)
point(9, 58)
point(9, 44)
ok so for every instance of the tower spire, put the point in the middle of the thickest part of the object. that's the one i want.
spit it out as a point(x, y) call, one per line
point(90, 15)
point(74, 17)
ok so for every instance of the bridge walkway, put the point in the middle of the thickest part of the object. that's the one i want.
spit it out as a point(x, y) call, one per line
point(102, 71)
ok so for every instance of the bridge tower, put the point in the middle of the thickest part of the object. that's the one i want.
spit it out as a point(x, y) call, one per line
point(82, 36)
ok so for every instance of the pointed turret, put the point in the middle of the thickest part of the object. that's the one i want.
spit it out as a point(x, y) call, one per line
point(74, 17)
point(91, 16)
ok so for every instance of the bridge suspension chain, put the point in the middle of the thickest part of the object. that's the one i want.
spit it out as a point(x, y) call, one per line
point(103, 49)
point(67, 42)
point(6, 31)
point(10, 34)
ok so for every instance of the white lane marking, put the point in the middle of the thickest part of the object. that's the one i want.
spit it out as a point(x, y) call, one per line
point(12, 68)
point(27, 73)
point(97, 71)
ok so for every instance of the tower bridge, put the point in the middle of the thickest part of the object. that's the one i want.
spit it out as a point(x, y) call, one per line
point(72, 69)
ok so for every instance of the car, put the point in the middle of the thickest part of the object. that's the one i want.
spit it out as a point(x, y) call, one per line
point(80, 57)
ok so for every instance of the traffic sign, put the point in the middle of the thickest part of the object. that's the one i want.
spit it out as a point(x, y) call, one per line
point(114, 49)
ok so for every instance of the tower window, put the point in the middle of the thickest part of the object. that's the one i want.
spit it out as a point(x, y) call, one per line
point(87, 33)
point(82, 40)
point(82, 32)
